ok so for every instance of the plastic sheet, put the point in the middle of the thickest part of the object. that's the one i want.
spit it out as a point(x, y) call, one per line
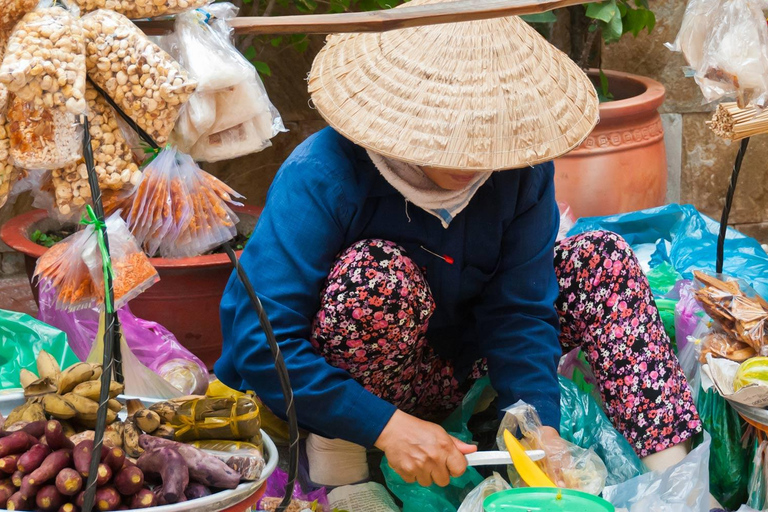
point(567, 220)
point(681, 488)
point(757, 472)
point(566, 464)
point(680, 235)
point(152, 343)
point(245, 458)
point(275, 491)
point(474, 500)
point(21, 340)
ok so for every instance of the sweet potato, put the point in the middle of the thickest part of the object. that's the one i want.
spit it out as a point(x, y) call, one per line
point(81, 456)
point(69, 507)
point(171, 467)
point(55, 437)
point(103, 475)
point(143, 499)
point(195, 490)
point(32, 458)
point(18, 502)
point(69, 482)
point(27, 490)
point(203, 468)
point(49, 499)
point(16, 479)
point(159, 496)
point(18, 442)
point(50, 467)
point(7, 489)
point(114, 458)
point(129, 480)
point(107, 498)
point(9, 463)
point(33, 428)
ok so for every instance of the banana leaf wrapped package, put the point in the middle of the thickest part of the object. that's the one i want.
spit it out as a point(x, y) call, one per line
point(218, 418)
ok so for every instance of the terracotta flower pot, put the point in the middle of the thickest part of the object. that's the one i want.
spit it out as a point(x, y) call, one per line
point(185, 300)
point(622, 165)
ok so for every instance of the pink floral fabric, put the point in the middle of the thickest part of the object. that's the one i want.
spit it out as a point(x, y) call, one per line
point(375, 311)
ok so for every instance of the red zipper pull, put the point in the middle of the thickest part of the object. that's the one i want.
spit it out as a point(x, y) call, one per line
point(444, 257)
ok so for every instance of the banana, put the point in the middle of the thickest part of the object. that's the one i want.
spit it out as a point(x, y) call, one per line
point(147, 420)
point(48, 367)
point(92, 388)
point(69, 430)
point(16, 414)
point(165, 431)
point(166, 410)
point(133, 406)
point(58, 407)
point(90, 421)
point(26, 377)
point(114, 405)
point(34, 412)
point(131, 439)
point(113, 435)
point(40, 387)
point(85, 408)
point(74, 375)
point(96, 371)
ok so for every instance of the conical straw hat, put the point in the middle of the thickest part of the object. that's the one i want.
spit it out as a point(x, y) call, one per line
point(477, 95)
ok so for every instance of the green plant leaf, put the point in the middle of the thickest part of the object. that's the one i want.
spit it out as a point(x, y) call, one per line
point(638, 19)
point(544, 17)
point(605, 11)
point(250, 53)
point(262, 68)
point(36, 235)
point(276, 41)
point(305, 6)
point(613, 30)
point(300, 42)
point(603, 94)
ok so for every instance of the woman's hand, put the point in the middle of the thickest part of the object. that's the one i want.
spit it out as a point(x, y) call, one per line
point(420, 451)
point(558, 455)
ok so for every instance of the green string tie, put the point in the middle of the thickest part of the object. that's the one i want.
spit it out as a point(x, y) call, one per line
point(90, 219)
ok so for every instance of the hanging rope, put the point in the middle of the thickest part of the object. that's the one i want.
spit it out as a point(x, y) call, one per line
point(282, 373)
point(728, 204)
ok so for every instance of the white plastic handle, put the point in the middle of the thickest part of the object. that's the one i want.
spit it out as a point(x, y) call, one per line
point(499, 458)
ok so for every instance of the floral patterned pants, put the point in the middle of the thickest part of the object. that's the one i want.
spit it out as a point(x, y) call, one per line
point(376, 306)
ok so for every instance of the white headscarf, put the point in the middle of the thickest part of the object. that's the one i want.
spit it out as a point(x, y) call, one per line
point(418, 189)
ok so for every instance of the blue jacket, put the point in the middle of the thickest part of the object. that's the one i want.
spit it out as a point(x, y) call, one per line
point(496, 300)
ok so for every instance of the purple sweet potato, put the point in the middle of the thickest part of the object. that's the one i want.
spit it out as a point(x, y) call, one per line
point(34, 428)
point(143, 499)
point(9, 464)
point(103, 475)
point(32, 458)
point(18, 502)
point(81, 456)
point(171, 467)
point(69, 482)
point(69, 507)
point(50, 467)
point(7, 489)
point(115, 458)
point(18, 442)
point(203, 468)
point(107, 498)
point(16, 479)
point(27, 490)
point(49, 499)
point(195, 490)
point(55, 437)
point(129, 480)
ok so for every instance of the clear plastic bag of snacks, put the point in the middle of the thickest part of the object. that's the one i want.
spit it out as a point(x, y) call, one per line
point(62, 270)
point(133, 273)
point(11, 11)
point(142, 79)
point(141, 9)
point(243, 139)
point(9, 173)
point(245, 458)
point(697, 23)
point(44, 70)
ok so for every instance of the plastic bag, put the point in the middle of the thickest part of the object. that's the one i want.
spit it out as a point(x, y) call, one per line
point(220, 418)
point(9, 173)
point(681, 488)
point(140, 9)
point(757, 471)
point(44, 69)
point(567, 220)
point(735, 59)
point(179, 210)
point(491, 485)
point(151, 95)
point(245, 458)
point(688, 314)
point(275, 491)
point(153, 345)
point(566, 464)
point(683, 237)
point(662, 279)
point(246, 138)
point(21, 340)
point(694, 31)
point(728, 459)
point(11, 11)
point(133, 273)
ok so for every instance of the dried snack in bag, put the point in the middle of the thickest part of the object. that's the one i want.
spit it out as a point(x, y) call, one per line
point(142, 79)
point(133, 273)
point(245, 458)
point(222, 418)
point(44, 70)
point(9, 173)
point(62, 269)
point(697, 23)
point(11, 11)
point(141, 9)
point(246, 138)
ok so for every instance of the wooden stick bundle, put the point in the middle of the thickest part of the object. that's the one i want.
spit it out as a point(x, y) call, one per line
point(734, 123)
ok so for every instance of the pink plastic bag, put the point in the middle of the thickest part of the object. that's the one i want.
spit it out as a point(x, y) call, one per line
point(154, 345)
point(688, 314)
point(275, 489)
point(567, 220)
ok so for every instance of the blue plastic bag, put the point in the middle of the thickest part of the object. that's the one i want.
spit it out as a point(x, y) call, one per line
point(680, 235)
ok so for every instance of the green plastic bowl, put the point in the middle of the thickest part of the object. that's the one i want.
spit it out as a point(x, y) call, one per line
point(545, 499)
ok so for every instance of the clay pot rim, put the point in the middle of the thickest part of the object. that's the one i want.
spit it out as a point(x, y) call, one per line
point(15, 234)
point(647, 102)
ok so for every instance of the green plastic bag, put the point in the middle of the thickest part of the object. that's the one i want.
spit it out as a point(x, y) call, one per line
point(21, 339)
point(662, 279)
point(729, 461)
point(757, 487)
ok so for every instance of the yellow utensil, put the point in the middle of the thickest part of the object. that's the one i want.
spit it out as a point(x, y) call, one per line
point(531, 474)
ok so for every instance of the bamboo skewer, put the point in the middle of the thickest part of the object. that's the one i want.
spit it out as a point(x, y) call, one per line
point(733, 123)
point(379, 21)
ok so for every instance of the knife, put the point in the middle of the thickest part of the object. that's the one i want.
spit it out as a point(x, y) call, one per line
point(499, 458)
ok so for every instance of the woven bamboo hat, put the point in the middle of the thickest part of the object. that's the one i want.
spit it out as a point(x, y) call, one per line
point(477, 95)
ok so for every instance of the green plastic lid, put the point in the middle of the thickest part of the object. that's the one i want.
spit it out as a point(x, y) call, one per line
point(544, 499)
